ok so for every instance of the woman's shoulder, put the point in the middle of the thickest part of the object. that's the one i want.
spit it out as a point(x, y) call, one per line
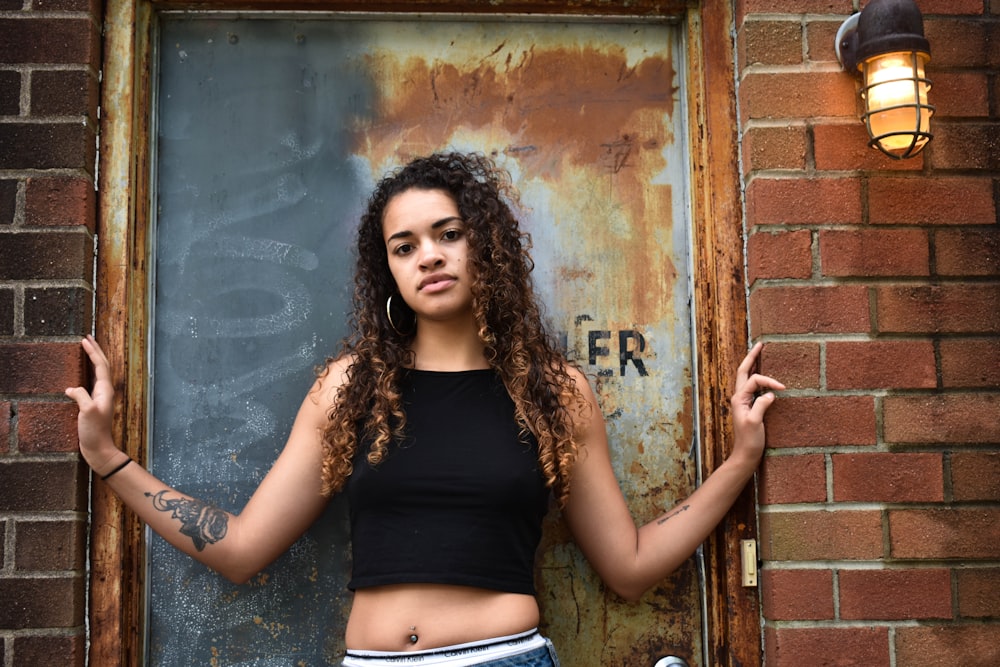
point(578, 394)
point(330, 378)
point(337, 368)
point(575, 374)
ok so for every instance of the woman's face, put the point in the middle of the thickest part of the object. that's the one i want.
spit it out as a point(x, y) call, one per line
point(428, 250)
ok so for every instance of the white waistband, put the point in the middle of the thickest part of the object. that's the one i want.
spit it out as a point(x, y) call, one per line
point(459, 655)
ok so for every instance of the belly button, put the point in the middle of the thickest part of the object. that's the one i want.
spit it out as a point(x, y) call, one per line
point(413, 635)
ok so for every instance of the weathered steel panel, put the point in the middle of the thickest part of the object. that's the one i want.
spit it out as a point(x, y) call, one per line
point(584, 115)
point(270, 125)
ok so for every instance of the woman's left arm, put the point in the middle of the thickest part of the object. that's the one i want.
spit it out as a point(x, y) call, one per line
point(630, 559)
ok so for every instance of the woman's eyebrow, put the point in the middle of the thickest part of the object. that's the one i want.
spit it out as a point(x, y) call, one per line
point(445, 221)
point(434, 225)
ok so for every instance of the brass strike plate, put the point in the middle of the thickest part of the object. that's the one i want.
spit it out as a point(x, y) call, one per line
point(748, 554)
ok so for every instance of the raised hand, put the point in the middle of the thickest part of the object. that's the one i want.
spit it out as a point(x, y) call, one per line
point(96, 412)
point(753, 395)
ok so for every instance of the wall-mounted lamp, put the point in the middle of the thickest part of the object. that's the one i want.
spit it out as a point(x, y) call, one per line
point(885, 42)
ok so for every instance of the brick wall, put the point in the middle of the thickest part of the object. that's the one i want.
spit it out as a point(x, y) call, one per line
point(49, 64)
point(876, 284)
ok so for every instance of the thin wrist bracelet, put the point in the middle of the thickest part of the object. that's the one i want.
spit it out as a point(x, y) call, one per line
point(122, 465)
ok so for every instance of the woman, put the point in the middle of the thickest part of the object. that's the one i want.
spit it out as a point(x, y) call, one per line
point(448, 419)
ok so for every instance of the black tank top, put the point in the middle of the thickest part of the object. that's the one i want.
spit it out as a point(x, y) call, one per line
point(459, 501)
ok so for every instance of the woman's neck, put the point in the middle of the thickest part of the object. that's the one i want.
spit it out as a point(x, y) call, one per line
point(445, 346)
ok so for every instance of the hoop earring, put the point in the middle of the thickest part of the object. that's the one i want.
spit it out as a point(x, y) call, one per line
point(388, 314)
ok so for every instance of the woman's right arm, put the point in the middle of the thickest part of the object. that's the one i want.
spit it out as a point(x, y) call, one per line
point(238, 546)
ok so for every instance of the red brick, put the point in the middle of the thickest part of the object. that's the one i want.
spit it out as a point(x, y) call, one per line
point(40, 368)
point(822, 421)
point(963, 145)
point(863, 646)
point(843, 147)
point(37, 486)
point(972, 7)
point(763, 42)
point(62, 255)
point(970, 362)
point(92, 6)
point(767, 147)
point(795, 364)
point(992, 30)
point(8, 201)
point(975, 476)
point(941, 418)
point(6, 312)
point(793, 479)
point(895, 594)
point(57, 311)
point(977, 593)
point(948, 308)
point(779, 255)
point(51, 602)
point(821, 535)
point(888, 477)
point(967, 252)
point(821, 35)
point(60, 201)
point(49, 41)
point(966, 533)
point(880, 364)
point(874, 252)
point(931, 201)
point(6, 421)
point(964, 94)
point(67, 651)
point(64, 93)
point(788, 95)
point(49, 545)
point(949, 645)
point(797, 595)
point(844, 7)
point(47, 145)
point(798, 6)
point(798, 201)
point(812, 309)
point(10, 93)
point(47, 427)
point(958, 43)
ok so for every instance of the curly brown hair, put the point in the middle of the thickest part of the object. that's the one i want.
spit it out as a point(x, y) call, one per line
point(510, 324)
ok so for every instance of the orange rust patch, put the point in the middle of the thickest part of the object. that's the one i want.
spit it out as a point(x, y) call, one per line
point(583, 119)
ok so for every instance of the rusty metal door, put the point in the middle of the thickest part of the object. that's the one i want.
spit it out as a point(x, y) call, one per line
point(271, 131)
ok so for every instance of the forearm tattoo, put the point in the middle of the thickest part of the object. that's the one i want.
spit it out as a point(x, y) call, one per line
point(202, 522)
point(662, 520)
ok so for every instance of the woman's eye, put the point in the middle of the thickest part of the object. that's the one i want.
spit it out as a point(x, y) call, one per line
point(403, 249)
point(452, 235)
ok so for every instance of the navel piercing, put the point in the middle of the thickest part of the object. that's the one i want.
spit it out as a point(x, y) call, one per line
point(413, 635)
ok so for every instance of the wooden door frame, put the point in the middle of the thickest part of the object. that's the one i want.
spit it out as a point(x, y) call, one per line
point(117, 576)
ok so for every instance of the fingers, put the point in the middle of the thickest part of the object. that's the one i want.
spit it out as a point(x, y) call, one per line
point(102, 372)
point(78, 394)
point(97, 357)
point(753, 390)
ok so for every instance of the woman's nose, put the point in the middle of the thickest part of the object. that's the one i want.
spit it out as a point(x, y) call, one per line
point(430, 256)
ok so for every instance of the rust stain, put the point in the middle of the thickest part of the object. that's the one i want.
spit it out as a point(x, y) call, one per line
point(584, 119)
point(588, 123)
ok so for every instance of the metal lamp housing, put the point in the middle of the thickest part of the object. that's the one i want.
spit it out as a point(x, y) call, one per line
point(886, 44)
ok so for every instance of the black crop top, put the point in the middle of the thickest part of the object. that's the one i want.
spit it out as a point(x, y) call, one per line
point(459, 501)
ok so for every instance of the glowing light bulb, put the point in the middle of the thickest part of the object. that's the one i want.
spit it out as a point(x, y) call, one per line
point(896, 108)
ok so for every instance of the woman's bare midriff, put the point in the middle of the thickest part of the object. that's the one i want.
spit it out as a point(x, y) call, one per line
point(387, 618)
